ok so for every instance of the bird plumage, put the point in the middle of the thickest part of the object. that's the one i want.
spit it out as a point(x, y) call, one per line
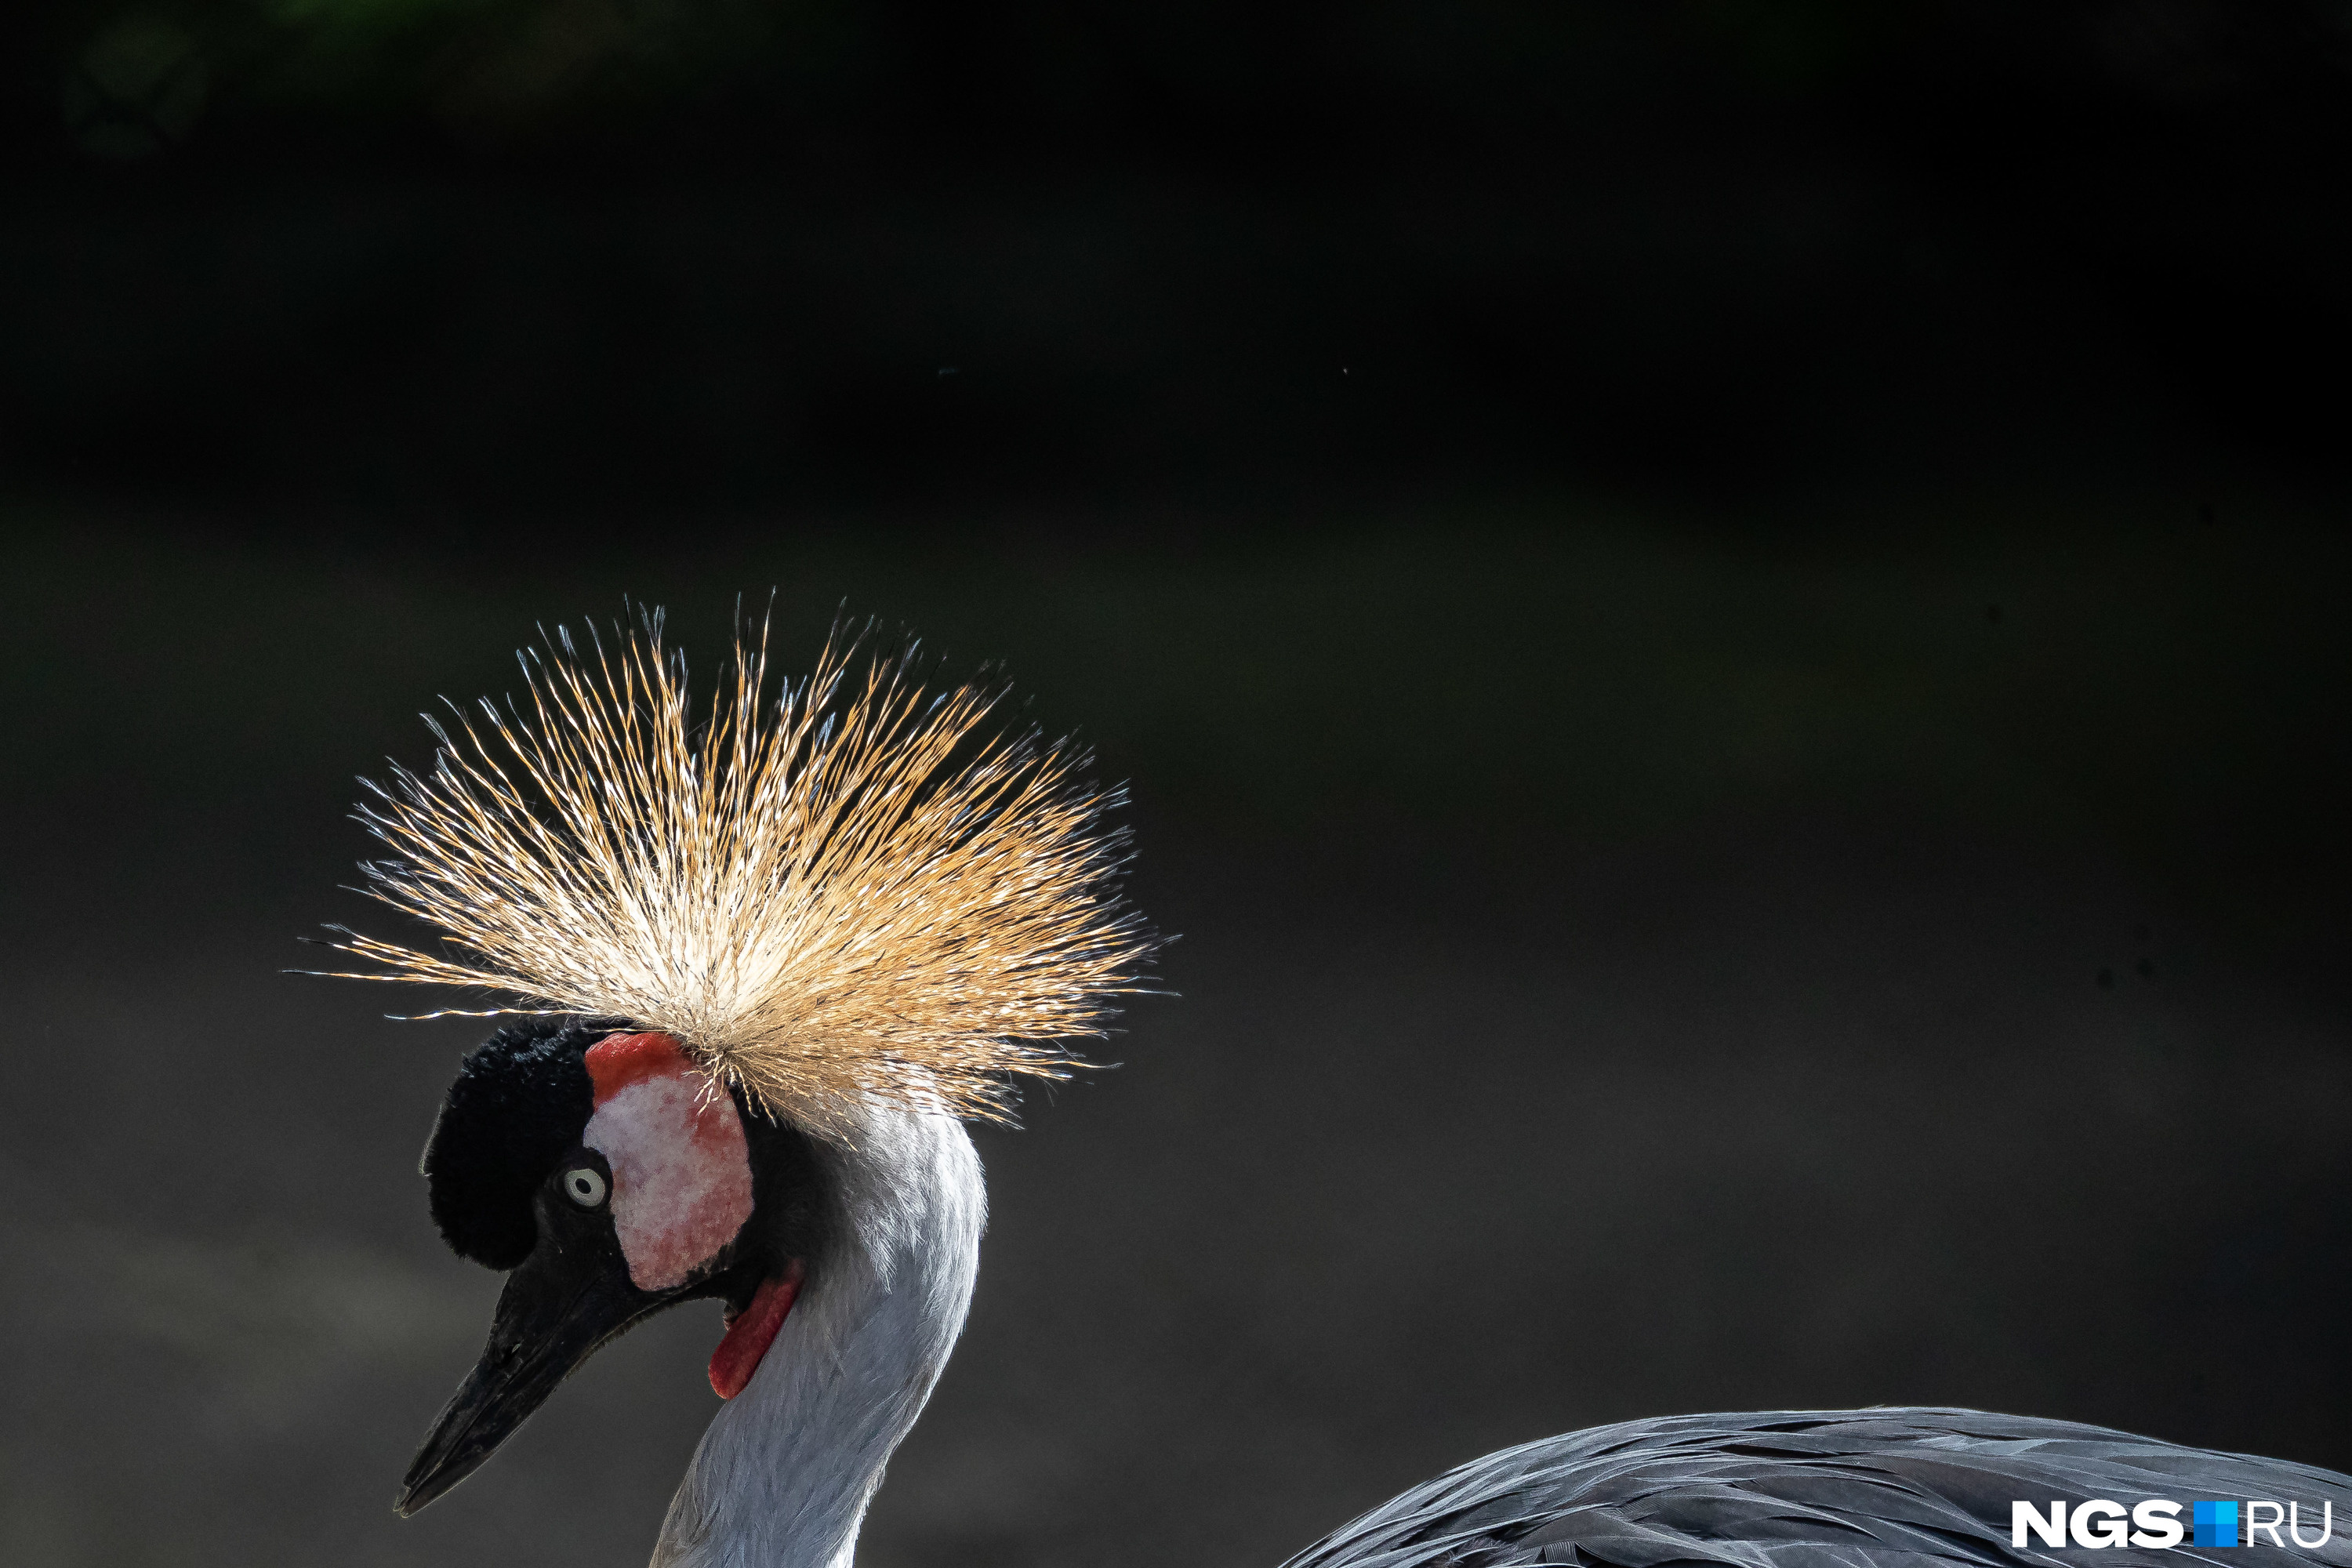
point(1896, 1487)
point(830, 893)
point(783, 1477)
point(790, 946)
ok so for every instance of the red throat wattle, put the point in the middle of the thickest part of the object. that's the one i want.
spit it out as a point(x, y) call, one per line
point(750, 1334)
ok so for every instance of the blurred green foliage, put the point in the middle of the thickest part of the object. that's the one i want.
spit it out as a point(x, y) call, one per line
point(545, 63)
point(525, 63)
point(134, 79)
point(139, 83)
point(538, 61)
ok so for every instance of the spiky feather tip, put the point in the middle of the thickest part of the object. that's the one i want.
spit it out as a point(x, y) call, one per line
point(842, 894)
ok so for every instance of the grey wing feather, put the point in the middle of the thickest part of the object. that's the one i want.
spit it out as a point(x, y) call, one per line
point(1849, 1489)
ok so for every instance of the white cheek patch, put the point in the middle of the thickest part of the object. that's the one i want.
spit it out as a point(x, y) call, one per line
point(681, 1171)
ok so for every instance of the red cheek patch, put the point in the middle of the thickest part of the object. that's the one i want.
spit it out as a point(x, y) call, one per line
point(749, 1336)
point(681, 1169)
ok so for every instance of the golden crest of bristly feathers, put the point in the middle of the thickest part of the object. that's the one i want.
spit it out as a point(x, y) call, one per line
point(840, 894)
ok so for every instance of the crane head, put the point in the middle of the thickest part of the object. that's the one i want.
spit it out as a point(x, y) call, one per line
point(611, 1178)
point(809, 902)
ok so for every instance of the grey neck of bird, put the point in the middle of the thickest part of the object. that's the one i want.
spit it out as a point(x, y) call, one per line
point(783, 1477)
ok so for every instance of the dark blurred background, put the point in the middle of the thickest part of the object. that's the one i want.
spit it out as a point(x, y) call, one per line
point(1729, 622)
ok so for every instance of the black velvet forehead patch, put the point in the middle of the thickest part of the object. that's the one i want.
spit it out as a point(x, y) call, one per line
point(522, 1099)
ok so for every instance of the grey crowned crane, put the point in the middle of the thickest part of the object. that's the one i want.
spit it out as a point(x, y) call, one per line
point(771, 963)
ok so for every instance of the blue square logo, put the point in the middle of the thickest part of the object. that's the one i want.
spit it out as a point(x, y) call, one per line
point(2217, 1523)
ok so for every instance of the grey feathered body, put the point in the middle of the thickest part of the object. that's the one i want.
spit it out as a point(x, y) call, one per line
point(1890, 1488)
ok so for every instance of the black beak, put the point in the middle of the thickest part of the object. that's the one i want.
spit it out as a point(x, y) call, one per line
point(569, 1297)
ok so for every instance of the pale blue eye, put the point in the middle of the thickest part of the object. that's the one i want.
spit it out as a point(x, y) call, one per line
point(584, 1186)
